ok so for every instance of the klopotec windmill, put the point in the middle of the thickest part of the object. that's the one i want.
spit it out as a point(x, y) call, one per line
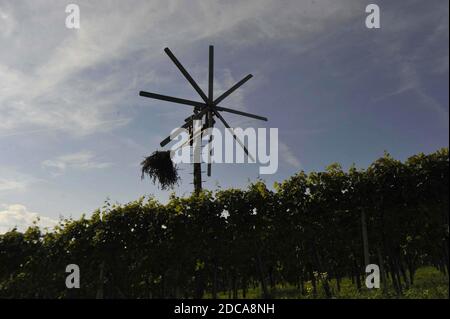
point(205, 111)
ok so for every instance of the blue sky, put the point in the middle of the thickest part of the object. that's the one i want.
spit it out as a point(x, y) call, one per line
point(73, 129)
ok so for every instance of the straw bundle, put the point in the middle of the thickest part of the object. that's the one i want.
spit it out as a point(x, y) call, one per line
point(159, 167)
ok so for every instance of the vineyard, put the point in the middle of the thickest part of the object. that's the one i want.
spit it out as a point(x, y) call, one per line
point(305, 234)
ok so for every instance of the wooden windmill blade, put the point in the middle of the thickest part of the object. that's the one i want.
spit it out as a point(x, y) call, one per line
point(232, 89)
point(210, 101)
point(211, 75)
point(186, 75)
point(171, 99)
point(234, 135)
point(254, 116)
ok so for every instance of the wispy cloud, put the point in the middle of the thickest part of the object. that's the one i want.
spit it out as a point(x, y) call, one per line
point(288, 156)
point(7, 23)
point(84, 160)
point(13, 180)
point(11, 184)
point(77, 82)
point(412, 66)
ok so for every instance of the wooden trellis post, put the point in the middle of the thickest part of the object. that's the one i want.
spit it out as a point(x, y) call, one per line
point(365, 239)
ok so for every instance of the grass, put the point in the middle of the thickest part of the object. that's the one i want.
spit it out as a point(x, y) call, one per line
point(429, 284)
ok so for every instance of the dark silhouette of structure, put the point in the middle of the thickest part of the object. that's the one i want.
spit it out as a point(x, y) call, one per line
point(205, 111)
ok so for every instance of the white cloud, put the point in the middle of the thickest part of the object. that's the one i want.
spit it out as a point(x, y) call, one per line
point(83, 160)
point(19, 216)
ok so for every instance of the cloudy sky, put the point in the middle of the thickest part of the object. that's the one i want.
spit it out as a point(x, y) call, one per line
point(73, 129)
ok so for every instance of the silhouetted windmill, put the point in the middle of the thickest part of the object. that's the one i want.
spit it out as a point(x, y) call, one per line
point(205, 110)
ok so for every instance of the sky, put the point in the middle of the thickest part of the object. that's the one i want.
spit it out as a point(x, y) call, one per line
point(73, 129)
